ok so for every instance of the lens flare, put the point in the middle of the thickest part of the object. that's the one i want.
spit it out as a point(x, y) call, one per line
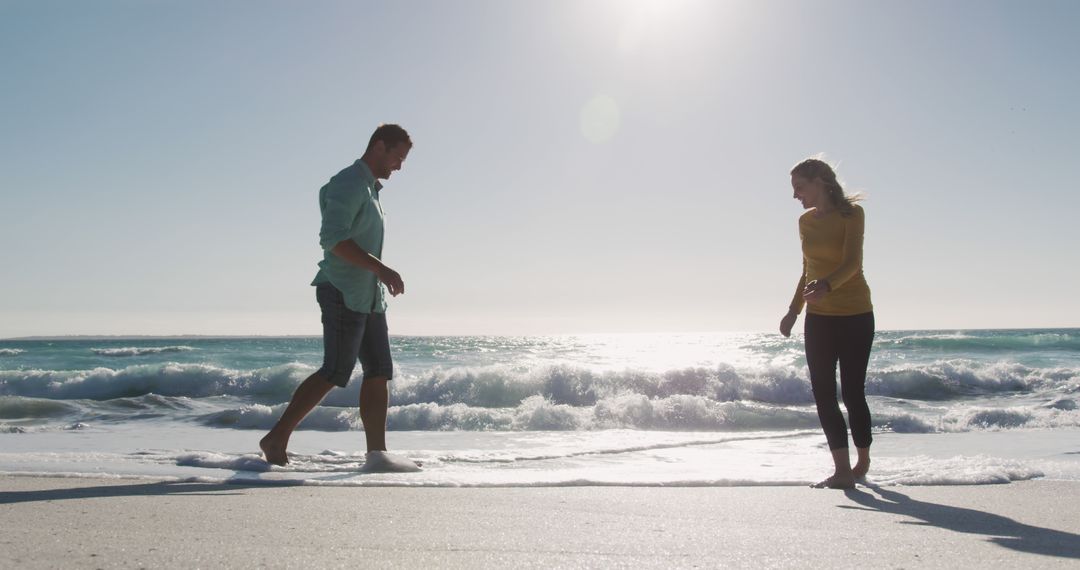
point(600, 119)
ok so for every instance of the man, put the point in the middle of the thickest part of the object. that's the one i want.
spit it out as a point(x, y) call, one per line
point(351, 288)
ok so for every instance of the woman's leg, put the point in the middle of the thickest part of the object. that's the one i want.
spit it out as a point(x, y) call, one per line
point(822, 354)
point(857, 340)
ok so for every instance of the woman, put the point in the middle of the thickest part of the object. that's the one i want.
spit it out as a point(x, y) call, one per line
point(839, 323)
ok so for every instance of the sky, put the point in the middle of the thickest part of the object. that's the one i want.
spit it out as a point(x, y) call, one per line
point(579, 166)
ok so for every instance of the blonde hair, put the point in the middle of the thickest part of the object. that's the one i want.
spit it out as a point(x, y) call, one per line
point(812, 168)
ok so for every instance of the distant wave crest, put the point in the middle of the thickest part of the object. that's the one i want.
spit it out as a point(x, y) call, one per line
point(985, 341)
point(139, 351)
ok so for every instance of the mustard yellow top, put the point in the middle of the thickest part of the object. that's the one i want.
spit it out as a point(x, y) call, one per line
point(832, 248)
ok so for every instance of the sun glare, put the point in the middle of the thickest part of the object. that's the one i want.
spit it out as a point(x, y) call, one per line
point(646, 19)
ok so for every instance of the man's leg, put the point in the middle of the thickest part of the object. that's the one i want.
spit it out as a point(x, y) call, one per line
point(374, 401)
point(378, 370)
point(307, 396)
point(342, 332)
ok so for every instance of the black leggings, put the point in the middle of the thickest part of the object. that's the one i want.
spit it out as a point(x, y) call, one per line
point(847, 340)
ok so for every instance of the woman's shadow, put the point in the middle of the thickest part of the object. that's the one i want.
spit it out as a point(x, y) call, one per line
point(998, 529)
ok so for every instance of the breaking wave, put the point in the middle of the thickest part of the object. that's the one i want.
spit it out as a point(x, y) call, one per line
point(557, 397)
point(501, 386)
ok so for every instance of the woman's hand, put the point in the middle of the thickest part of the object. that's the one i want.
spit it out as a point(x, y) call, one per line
point(787, 323)
point(816, 290)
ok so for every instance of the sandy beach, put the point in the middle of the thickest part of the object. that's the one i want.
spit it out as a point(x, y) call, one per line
point(110, 523)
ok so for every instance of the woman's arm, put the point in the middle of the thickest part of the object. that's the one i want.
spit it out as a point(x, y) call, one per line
point(796, 305)
point(851, 264)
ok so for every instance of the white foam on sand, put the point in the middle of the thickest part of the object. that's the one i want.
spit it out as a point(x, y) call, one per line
point(383, 462)
point(524, 459)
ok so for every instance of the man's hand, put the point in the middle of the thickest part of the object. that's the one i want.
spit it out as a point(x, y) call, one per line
point(354, 254)
point(816, 290)
point(391, 279)
point(788, 322)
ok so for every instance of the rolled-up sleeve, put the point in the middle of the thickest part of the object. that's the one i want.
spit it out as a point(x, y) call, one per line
point(340, 206)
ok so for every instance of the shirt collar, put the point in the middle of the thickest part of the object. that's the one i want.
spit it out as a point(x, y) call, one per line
point(365, 171)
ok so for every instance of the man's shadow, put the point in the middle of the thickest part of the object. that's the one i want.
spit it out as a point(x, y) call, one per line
point(998, 529)
point(155, 489)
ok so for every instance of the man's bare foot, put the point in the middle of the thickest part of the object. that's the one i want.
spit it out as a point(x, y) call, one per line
point(273, 451)
point(836, 482)
point(861, 469)
point(383, 462)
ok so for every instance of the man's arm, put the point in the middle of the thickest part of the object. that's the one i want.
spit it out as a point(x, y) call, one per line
point(355, 255)
point(340, 206)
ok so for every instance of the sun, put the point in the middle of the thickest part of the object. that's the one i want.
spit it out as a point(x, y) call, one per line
point(650, 20)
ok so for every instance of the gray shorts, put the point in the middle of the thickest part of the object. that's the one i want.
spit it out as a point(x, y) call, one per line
point(348, 336)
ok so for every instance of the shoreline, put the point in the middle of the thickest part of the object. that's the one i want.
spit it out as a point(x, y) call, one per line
point(63, 522)
point(95, 337)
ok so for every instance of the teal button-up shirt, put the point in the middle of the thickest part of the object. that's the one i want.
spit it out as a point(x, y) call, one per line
point(351, 210)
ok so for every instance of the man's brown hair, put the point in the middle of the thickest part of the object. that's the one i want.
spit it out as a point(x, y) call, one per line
point(391, 135)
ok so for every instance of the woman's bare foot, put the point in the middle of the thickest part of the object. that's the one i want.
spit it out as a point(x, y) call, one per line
point(273, 450)
point(837, 481)
point(861, 469)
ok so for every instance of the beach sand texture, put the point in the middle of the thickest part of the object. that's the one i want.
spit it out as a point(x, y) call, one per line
point(129, 523)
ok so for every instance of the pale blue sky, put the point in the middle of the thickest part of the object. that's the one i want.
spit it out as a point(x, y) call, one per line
point(580, 166)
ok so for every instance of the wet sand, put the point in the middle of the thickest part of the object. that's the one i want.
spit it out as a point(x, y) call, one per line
point(117, 523)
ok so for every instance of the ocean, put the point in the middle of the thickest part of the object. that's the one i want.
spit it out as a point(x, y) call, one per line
point(949, 407)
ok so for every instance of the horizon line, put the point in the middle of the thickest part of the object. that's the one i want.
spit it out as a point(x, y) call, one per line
point(283, 336)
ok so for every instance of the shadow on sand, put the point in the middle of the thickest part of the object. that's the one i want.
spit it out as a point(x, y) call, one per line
point(155, 489)
point(998, 529)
